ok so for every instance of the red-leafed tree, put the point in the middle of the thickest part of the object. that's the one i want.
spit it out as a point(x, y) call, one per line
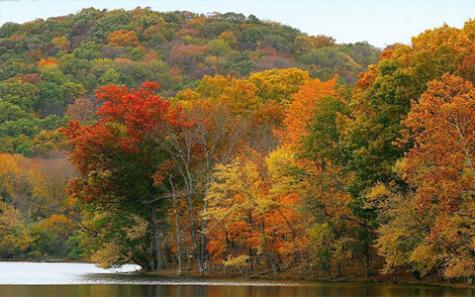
point(117, 160)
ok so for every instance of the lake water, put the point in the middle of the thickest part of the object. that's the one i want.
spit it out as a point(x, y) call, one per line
point(21, 279)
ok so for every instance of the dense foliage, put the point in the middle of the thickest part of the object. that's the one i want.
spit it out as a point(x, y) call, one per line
point(235, 170)
point(50, 68)
point(37, 220)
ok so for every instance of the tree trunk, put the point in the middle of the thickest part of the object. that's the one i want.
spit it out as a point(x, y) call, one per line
point(157, 246)
point(368, 242)
point(203, 245)
point(177, 227)
point(196, 244)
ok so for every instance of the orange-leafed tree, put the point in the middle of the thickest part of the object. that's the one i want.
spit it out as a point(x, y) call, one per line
point(320, 200)
point(444, 142)
point(301, 110)
point(440, 170)
point(123, 38)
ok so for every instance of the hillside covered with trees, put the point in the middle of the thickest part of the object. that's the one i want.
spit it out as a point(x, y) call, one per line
point(49, 65)
point(224, 144)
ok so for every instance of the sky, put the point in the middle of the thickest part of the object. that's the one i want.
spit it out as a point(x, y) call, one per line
point(380, 22)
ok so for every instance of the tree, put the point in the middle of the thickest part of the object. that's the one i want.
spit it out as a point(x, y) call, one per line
point(381, 100)
point(304, 43)
point(61, 42)
point(286, 223)
point(236, 206)
point(82, 110)
point(213, 136)
point(278, 84)
point(15, 237)
point(312, 179)
point(123, 38)
point(118, 150)
point(23, 94)
point(467, 68)
point(440, 168)
point(10, 112)
point(309, 96)
point(8, 170)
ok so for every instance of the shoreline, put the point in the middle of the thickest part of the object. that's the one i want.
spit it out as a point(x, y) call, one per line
point(217, 275)
point(378, 279)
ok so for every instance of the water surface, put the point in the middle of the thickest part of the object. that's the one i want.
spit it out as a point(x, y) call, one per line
point(23, 279)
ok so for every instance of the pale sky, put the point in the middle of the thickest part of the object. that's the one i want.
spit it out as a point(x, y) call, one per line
point(380, 22)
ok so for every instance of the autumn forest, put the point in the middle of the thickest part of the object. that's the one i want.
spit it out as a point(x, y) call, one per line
point(221, 144)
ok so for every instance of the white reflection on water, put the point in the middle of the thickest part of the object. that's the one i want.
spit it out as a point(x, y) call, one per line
point(29, 273)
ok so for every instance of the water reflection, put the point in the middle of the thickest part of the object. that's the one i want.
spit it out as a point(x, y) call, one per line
point(327, 290)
